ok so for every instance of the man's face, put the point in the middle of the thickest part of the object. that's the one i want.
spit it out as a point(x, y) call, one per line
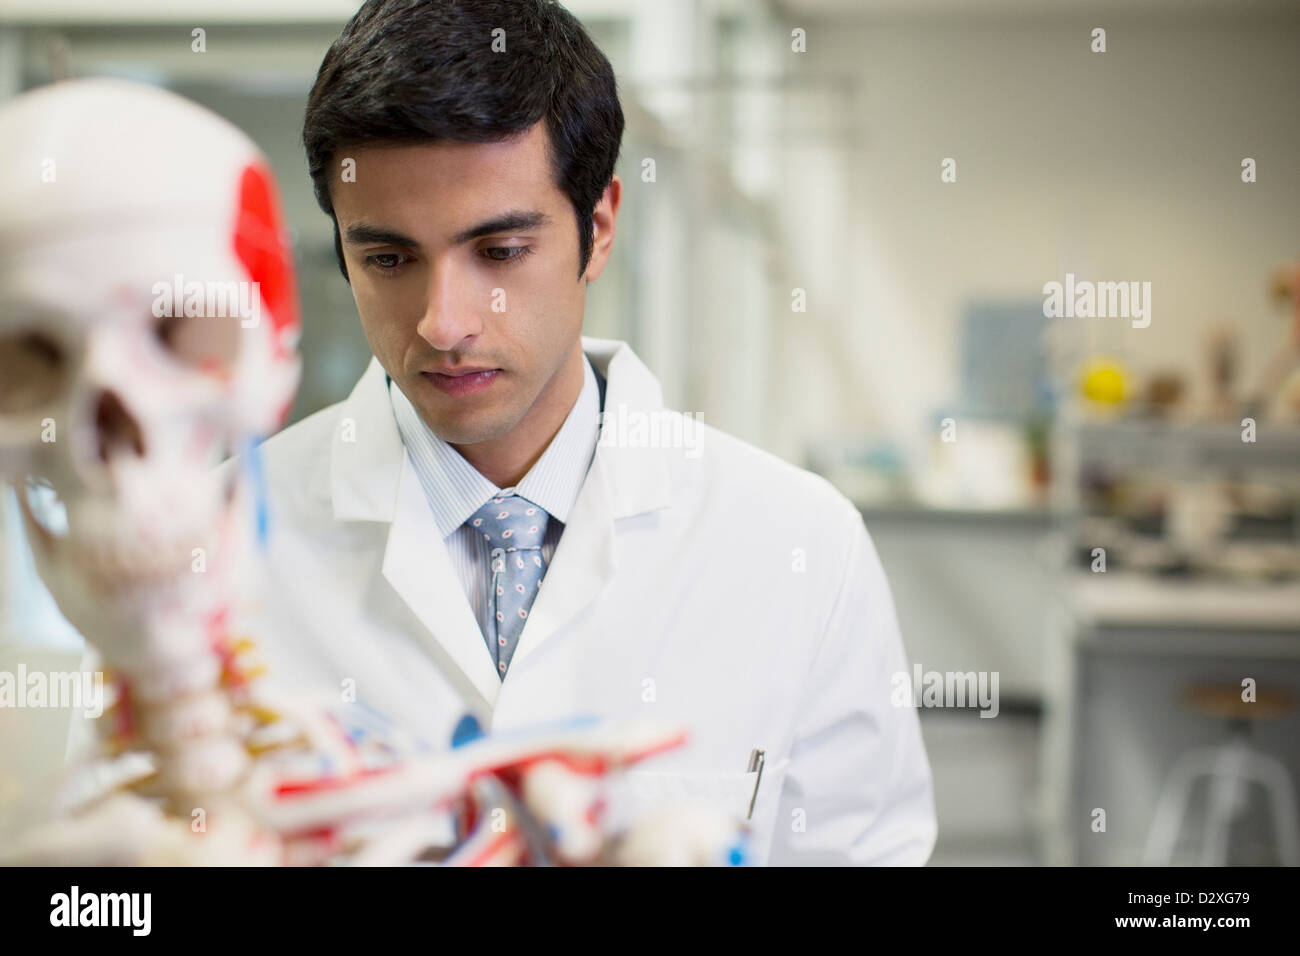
point(443, 279)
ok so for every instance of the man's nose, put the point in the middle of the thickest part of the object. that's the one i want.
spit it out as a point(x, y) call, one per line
point(450, 314)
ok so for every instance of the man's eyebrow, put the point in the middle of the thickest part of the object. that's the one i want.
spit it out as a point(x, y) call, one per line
point(516, 220)
point(363, 233)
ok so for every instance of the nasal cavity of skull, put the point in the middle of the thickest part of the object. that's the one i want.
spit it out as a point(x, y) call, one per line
point(115, 430)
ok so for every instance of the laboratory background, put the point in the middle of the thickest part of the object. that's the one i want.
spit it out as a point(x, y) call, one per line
point(841, 225)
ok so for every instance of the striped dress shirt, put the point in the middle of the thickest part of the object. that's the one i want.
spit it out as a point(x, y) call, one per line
point(455, 489)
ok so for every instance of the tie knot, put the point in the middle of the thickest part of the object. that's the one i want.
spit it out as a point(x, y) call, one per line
point(511, 522)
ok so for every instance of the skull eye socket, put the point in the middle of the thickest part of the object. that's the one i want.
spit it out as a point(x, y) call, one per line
point(209, 343)
point(33, 368)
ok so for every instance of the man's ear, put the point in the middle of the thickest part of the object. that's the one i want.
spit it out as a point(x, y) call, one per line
point(603, 218)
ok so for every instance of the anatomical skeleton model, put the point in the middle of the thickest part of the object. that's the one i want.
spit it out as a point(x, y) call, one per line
point(148, 326)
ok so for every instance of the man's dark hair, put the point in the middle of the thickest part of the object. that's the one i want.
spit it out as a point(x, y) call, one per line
point(424, 71)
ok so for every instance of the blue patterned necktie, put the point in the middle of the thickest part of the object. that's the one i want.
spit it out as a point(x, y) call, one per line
point(514, 528)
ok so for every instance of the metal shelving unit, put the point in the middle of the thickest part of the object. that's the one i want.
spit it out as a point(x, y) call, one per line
point(1145, 618)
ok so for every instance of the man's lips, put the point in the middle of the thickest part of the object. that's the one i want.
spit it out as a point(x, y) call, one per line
point(462, 381)
point(461, 370)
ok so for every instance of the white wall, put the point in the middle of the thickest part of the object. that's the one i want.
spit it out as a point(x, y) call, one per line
point(1116, 166)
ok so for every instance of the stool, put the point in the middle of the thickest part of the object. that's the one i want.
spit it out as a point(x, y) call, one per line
point(1229, 768)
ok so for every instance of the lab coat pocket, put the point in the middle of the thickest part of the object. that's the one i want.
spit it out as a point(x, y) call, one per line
point(645, 791)
point(640, 793)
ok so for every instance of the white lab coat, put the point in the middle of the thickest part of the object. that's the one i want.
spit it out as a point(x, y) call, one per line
point(723, 588)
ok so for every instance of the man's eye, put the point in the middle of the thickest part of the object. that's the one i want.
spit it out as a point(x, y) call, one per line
point(385, 261)
point(508, 254)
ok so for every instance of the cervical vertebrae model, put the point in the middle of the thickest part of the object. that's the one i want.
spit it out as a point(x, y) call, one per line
point(148, 327)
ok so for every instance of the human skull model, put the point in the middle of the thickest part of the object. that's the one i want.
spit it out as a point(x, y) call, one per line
point(148, 321)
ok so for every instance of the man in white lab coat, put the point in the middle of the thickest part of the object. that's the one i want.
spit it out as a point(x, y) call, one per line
point(503, 517)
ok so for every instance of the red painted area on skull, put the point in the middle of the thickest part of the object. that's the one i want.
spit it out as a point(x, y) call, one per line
point(259, 244)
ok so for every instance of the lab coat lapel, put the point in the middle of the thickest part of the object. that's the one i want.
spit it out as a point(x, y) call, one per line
point(372, 480)
point(418, 567)
point(621, 482)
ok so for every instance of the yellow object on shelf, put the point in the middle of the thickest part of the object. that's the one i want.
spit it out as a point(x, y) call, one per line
point(1105, 382)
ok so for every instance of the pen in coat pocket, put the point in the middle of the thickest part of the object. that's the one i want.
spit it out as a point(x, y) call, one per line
point(755, 764)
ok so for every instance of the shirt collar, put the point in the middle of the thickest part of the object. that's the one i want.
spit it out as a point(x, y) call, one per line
point(455, 489)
